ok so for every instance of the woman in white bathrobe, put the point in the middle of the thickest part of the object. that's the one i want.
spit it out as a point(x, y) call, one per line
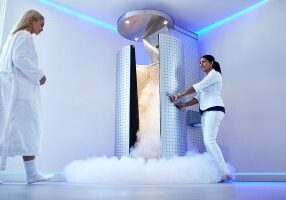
point(211, 108)
point(20, 80)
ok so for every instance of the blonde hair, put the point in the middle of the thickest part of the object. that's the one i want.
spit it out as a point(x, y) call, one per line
point(27, 19)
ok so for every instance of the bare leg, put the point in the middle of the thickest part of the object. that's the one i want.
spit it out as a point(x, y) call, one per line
point(28, 158)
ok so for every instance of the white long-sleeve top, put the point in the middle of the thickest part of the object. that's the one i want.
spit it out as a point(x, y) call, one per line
point(209, 90)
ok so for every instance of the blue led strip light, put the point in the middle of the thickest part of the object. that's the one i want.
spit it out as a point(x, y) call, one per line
point(229, 18)
point(260, 174)
point(79, 15)
point(102, 24)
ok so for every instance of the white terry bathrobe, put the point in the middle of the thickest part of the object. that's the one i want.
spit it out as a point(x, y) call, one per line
point(19, 97)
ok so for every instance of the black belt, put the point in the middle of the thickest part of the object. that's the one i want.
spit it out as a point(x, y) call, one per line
point(215, 108)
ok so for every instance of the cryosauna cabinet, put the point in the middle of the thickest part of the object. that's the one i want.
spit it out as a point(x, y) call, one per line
point(145, 119)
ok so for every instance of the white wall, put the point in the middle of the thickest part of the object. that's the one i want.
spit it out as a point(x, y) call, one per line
point(79, 59)
point(251, 50)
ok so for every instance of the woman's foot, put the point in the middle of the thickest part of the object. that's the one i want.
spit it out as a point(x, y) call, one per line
point(32, 173)
point(38, 178)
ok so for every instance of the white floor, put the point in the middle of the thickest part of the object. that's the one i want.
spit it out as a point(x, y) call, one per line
point(222, 191)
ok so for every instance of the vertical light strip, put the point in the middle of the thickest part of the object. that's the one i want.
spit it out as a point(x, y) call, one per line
point(79, 15)
point(2, 17)
point(227, 19)
point(151, 47)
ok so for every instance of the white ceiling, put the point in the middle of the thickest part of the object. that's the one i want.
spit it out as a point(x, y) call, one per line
point(189, 14)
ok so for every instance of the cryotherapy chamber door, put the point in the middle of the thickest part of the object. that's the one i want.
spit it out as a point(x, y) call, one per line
point(137, 109)
point(172, 80)
point(126, 102)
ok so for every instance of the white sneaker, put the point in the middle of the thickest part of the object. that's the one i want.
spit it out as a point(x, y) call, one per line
point(38, 178)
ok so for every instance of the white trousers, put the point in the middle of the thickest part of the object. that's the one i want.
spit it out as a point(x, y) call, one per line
point(210, 123)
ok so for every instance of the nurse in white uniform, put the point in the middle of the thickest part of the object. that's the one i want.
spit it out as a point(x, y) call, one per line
point(20, 81)
point(211, 107)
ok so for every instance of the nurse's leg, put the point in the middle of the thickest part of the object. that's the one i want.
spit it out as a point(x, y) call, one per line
point(212, 121)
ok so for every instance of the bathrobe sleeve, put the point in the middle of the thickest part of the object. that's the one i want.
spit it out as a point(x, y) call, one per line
point(24, 57)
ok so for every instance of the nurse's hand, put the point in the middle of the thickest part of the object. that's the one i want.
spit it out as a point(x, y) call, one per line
point(174, 97)
point(180, 105)
point(43, 80)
